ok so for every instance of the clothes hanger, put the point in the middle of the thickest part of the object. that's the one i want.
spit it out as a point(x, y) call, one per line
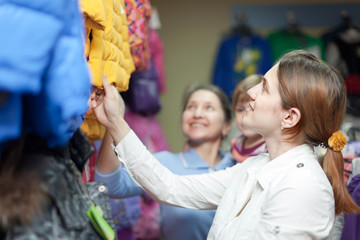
point(350, 32)
point(241, 27)
point(348, 22)
point(292, 27)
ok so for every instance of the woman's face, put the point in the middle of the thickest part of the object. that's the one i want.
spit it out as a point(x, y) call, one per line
point(203, 119)
point(264, 112)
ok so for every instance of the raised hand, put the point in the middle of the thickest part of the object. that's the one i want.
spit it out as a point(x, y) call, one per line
point(107, 104)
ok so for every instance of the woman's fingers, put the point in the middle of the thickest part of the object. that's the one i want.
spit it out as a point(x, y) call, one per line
point(97, 96)
point(106, 84)
point(110, 90)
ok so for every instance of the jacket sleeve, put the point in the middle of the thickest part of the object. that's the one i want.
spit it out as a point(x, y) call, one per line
point(119, 183)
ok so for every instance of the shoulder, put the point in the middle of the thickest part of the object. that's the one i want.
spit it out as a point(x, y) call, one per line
point(163, 154)
point(306, 175)
point(166, 156)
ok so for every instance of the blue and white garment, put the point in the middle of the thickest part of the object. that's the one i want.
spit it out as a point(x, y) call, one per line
point(239, 57)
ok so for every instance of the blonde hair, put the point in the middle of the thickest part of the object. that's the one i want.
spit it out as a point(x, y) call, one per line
point(318, 91)
point(240, 92)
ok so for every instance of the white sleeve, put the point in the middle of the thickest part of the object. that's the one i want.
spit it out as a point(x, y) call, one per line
point(193, 191)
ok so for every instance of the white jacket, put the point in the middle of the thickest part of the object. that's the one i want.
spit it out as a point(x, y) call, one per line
point(290, 196)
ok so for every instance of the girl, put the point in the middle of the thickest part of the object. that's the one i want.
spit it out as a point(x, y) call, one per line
point(248, 143)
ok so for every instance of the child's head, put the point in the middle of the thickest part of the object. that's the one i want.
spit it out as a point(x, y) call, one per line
point(241, 99)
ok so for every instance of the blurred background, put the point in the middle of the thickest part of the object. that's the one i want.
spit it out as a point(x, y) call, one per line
point(192, 32)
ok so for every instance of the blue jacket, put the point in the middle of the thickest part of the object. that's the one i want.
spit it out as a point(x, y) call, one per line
point(42, 69)
point(239, 57)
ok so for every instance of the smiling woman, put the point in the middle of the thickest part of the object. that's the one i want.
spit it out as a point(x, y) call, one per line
point(206, 120)
point(206, 117)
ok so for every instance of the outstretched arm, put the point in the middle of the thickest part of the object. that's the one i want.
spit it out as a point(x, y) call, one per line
point(197, 191)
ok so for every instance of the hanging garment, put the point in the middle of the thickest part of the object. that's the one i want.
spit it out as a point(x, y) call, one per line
point(343, 53)
point(92, 128)
point(282, 42)
point(149, 131)
point(147, 225)
point(239, 57)
point(143, 94)
point(42, 59)
point(351, 230)
point(151, 134)
point(50, 180)
point(107, 42)
point(125, 211)
point(107, 50)
point(138, 15)
point(157, 56)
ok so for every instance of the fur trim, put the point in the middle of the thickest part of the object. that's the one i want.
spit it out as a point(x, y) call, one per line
point(22, 200)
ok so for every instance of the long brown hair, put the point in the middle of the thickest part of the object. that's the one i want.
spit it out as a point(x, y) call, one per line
point(318, 91)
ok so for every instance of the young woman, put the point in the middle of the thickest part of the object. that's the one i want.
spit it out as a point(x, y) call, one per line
point(206, 120)
point(288, 193)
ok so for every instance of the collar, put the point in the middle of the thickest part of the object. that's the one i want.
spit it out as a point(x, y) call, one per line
point(283, 163)
point(191, 159)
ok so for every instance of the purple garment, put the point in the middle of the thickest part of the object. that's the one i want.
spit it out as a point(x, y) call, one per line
point(143, 94)
point(351, 230)
point(125, 234)
point(125, 211)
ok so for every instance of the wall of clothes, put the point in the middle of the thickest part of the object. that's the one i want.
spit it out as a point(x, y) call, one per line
point(139, 75)
point(193, 42)
point(53, 54)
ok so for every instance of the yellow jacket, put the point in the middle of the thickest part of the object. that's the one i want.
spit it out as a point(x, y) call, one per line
point(107, 50)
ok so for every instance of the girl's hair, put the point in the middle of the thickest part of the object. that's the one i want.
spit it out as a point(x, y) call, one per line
point(225, 104)
point(318, 91)
point(240, 92)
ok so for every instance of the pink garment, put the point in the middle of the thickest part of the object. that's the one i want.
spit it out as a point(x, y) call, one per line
point(151, 134)
point(149, 130)
point(138, 14)
point(240, 153)
point(88, 173)
point(157, 54)
point(148, 224)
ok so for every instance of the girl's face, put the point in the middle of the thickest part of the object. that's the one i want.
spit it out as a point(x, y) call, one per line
point(203, 119)
point(264, 112)
point(239, 110)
